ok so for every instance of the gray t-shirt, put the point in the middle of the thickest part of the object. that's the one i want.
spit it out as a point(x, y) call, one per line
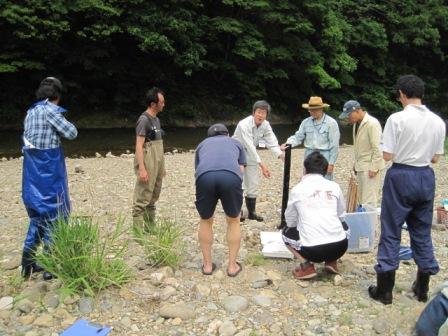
point(148, 127)
point(219, 153)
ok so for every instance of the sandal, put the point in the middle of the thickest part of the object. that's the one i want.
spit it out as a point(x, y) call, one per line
point(209, 273)
point(237, 272)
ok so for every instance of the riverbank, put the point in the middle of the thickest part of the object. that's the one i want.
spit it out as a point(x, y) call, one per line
point(263, 299)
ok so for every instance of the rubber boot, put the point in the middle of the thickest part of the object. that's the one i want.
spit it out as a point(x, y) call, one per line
point(420, 287)
point(48, 276)
point(250, 204)
point(27, 264)
point(382, 292)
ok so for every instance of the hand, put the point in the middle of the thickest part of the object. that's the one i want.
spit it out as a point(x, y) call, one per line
point(265, 170)
point(282, 157)
point(372, 173)
point(330, 169)
point(143, 175)
point(283, 147)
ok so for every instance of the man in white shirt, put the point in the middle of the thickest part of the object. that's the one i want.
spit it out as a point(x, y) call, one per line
point(249, 132)
point(316, 231)
point(412, 140)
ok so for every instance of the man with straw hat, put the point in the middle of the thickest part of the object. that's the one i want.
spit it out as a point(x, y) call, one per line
point(318, 133)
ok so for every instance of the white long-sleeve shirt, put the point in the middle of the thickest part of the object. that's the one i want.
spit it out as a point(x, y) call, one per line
point(250, 135)
point(316, 207)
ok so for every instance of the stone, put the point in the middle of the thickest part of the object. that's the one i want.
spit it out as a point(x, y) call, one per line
point(379, 326)
point(337, 280)
point(245, 332)
point(25, 306)
point(213, 327)
point(261, 283)
point(167, 271)
point(167, 292)
point(126, 322)
point(6, 303)
point(51, 301)
point(180, 310)
point(85, 305)
point(98, 155)
point(79, 169)
point(235, 303)
point(202, 290)
point(26, 319)
point(227, 329)
point(110, 155)
point(262, 300)
point(13, 261)
point(177, 321)
point(44, 320)
point(157, 278)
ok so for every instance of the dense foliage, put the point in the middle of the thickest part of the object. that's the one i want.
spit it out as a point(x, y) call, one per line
point(214, 58)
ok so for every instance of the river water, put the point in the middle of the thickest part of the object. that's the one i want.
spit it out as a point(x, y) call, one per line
point(118, 140)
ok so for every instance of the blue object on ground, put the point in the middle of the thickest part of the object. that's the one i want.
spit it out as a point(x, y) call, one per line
point(405, 253)
point(360, 208)
point(84, 328)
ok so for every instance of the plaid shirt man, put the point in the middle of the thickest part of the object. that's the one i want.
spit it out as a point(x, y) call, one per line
point(45, 124)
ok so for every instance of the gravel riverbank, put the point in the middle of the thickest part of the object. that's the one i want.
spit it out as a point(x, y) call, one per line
point(262, 300)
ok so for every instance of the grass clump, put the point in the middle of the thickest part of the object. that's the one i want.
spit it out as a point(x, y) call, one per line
point(255, 259)
point(84, 260)
point(161, 242)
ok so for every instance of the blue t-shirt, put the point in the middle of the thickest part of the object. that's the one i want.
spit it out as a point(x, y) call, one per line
point(219, 152)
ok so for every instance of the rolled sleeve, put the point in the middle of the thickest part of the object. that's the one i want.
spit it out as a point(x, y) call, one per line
point(298, 137)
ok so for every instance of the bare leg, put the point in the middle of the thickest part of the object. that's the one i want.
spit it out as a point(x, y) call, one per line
point(205, 235)
point(233, 240)
point(296, 254)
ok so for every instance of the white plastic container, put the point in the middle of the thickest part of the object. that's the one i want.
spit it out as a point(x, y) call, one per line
point(362, 229)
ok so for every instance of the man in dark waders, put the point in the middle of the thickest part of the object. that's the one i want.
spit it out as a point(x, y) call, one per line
point(149, 161)
point(44, 183)
point(412, 140)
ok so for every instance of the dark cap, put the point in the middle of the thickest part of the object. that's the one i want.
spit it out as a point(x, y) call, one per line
point(349, 107)
point(217, 129)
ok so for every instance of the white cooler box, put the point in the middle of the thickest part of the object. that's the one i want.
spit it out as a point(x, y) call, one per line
point(362, 229)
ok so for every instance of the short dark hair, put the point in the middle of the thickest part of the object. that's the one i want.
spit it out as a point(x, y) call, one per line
point(152, 96)
point(411, 85)
point(316, 163)
point(50, 88)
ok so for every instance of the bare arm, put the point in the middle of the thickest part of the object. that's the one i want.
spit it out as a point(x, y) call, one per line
point(387, 156)
point(142, 173)
point(435, 158)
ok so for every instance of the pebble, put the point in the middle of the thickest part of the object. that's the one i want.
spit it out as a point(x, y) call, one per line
point(262, 300)
point(167, 292)
point(227, 328)
point(180, 310)
point(85, 305)
point(44, 320)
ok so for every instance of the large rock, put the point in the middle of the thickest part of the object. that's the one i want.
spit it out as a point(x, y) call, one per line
point(12, 261)
point(235, 303)
point(180, 310)
point(6, 303)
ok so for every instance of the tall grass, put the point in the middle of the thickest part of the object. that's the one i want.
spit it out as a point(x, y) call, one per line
point(161, 242)
point(84, 260)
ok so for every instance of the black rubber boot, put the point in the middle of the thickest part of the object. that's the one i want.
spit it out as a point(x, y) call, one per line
point(384, 285)
point(420, 287)
point(27, 264)
point(250, 204)
point(48, 276)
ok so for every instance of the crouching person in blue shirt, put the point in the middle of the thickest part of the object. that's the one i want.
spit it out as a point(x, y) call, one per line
point(316, 231)
point(219, 166)
point(44, 182)
point(434, 319)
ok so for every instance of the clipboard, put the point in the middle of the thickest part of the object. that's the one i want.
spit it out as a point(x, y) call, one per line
point(85, 328)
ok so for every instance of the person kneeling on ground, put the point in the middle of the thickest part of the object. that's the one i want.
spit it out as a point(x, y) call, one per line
point(219, 166)
point(316, 231)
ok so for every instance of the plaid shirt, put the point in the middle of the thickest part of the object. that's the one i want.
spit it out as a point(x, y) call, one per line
point(45, 124)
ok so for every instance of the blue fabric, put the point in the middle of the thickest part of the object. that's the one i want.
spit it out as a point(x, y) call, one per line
point(219, 152)
point(219, 185)
point(433, 316)
point(408, 195)
point(44, 124)
point(44, 192)
point(323, 137)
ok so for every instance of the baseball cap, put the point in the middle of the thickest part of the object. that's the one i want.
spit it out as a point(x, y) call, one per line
point(349, 107)
point(217, 129)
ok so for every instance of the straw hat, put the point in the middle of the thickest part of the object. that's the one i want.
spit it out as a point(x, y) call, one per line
point(315, 103)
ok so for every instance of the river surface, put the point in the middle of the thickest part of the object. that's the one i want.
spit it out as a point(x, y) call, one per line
point(119, 140)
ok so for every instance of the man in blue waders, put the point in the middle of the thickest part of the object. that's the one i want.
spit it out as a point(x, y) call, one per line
point(44, 182)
